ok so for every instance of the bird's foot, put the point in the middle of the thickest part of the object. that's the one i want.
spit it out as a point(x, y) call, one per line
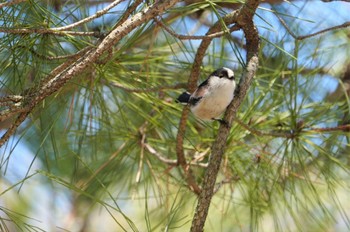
point(223, 122)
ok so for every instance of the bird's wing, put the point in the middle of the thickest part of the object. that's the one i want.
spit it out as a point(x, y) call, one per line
point(200, 92)
point(194, 100)
point(184, 98)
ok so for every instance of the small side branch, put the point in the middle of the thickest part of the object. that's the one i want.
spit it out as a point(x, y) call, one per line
point(128, 12)
point(287, 134)
point(68, 70)
point(152, 89)
point(22, 116)
point(195, 37)
point(48, 31)
point(330, 129)
point(90, 18)
point(302, 37)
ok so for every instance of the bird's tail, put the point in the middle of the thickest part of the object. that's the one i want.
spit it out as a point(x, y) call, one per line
point(184, 98)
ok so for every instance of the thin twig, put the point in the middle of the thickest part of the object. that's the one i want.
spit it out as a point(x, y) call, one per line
point(152, 89)
point(12, 110)
point(195, 37)
point(290, 134)
point(66, 72)
point(330, 129)
point(11, 130)
point(103, 166)
point(335, 0)
point(160, 157)
point(171, 162)
point(49, 31)
point(142, 152)
point(11, 98)
point(90, 18)
point(127, 13)
point(302, 37)
point(286, 134)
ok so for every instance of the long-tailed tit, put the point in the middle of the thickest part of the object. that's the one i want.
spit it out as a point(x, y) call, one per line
point(212, 97)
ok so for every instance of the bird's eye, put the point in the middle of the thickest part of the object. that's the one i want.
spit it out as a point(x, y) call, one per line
point(222, 74)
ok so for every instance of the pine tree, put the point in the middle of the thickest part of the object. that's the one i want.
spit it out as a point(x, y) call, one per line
point(93, 140)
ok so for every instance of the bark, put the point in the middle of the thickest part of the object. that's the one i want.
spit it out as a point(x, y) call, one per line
point(244, 19)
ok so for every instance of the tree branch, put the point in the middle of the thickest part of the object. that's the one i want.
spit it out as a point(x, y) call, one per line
point(34, 96)
point(49, 31)
point(194, 37)
point(192, 83)
point(90, 18)
point(128, 11)
point(330, 129)
point(302, 37)
point(171, 162)
point(243, 18)
point(286, 134)
point(152, 89)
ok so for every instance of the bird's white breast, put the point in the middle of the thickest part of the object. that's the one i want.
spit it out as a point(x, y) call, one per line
point(216, 99)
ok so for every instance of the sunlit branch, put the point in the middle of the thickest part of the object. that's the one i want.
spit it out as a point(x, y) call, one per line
point(11, 98)
point(172, 162)
point(70, 69)
point(128, 11)
point(67, 63)
point(195, 37)
point(302, 37)
point(90, 18)
point(49, 31)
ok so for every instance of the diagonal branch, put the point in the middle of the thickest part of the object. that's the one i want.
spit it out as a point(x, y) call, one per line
point(194, 37)
point(128, 11)
point(48, 31)
point(90, 18)
point(34, 96)
point(151, 89)
point(302, 37)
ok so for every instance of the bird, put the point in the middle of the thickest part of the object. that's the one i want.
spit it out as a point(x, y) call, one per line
point(212, 96)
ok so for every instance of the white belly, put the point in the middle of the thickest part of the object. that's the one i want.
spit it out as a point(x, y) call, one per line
point(213, 104)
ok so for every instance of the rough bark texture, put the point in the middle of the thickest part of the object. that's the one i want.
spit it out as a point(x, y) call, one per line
point(244, 19)
point(32, 97)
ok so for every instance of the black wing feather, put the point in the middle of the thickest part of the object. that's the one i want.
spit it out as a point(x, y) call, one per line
point(184, 98)
point(194, 100)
